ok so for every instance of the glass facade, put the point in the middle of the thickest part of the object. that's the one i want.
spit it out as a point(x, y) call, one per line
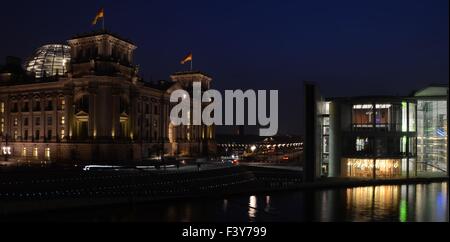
point(325, 138)
point(385, 137)
point(382, 140)
point(49, 60)
point(390, 117)
point(432, 135)
point(384, 168)
point(362, 116)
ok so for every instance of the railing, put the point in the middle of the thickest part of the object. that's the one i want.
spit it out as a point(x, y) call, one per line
point(371, 154)
point(432, 166)
point(386, 127)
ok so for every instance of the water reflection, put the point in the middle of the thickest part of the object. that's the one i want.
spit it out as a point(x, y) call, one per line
point(372, 203)
point(267, 207)
point(225, 205)
point(425, 202)
point(421, 203)
point(429, 202)
point(252, 208)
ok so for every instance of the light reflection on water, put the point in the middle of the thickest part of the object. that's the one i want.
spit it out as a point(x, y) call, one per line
point(423, 202)
point(267, 208)
point(406, 203)
point(252, 208)
point(371, 203)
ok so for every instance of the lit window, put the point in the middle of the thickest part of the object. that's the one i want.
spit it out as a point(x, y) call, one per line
point(326, 108)
point(366, 167)
point(35, 152)
point(63, 120)
point(16, 134)
point(403, 144)
point(47, 153)
point(383, 106)
point(412, 117)
point(62, 133)
point(362, 116)
point(362, 144)
point(16, 122)
point(2, 107)
point(6, 150)
point(24, 152)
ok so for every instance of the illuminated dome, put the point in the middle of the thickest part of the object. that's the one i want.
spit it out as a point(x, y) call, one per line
point(49, 60)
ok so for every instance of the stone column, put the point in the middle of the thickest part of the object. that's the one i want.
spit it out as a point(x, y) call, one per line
point(335, 141)
point(133, 115)
point(116, 112)
point(165, 117)
point(69, 113)
point(92, 109)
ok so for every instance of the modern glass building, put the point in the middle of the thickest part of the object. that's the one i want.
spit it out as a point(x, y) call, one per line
point(49, 60)
point(379, 136)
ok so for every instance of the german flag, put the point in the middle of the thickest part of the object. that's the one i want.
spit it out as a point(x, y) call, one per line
point(100, 14)
point(187, 59)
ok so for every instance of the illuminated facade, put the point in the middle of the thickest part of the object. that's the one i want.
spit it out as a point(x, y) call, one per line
point(93, 107)
point(432, 130)
point(49, 60)
point(379, 137)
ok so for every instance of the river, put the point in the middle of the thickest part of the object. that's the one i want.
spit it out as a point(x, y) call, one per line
point(397, 203)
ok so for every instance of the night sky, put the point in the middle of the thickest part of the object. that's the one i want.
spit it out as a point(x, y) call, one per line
point(347, 47)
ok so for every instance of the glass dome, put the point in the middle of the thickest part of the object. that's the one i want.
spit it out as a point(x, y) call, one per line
point(49, 60)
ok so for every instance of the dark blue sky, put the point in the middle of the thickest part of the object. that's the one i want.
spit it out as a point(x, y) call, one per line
point(347, 47)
